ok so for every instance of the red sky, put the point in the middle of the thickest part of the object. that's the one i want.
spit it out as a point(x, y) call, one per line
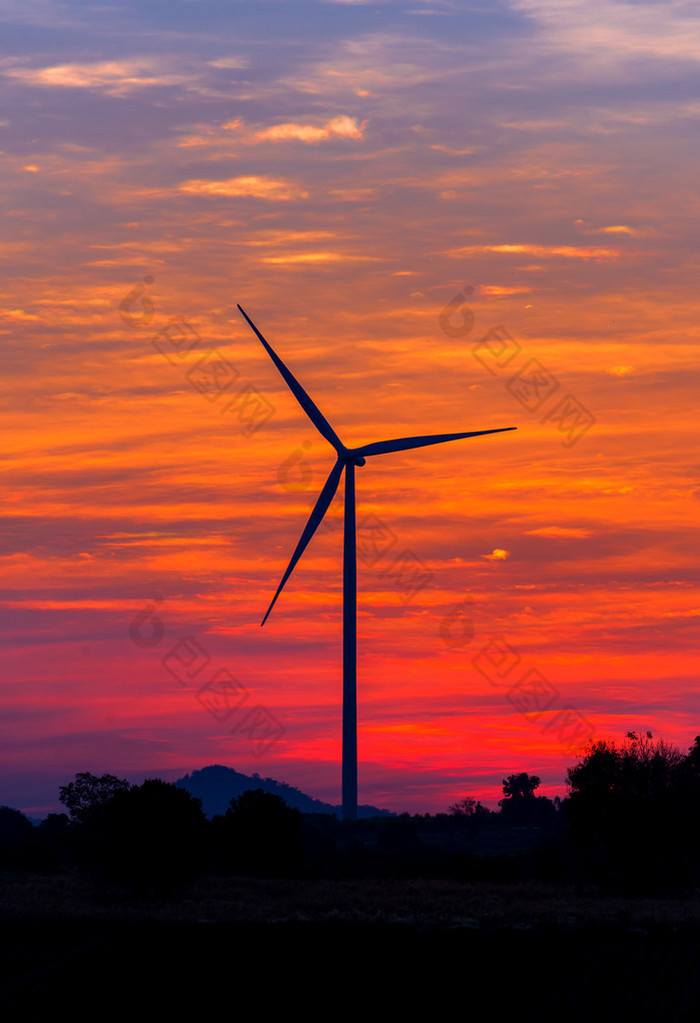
point(345, 172)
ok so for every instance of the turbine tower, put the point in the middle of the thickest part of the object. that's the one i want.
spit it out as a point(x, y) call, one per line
point(347, 459)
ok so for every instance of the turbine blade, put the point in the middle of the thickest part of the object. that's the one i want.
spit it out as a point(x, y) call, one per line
point(384, 447)
point(320, 509)
point(312, 411)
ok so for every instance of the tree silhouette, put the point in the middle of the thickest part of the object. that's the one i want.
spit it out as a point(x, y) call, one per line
point(518, 803)
point(464, 808)
point(152, 836)
point(468, 807)
point(633, 809)
point(87, 796)
point(520, 806)
point(16, 838)
point(261, 835)
point(519, 786)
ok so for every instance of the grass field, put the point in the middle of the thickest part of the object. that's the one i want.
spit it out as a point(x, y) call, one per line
point(422, 903)
point(264, 946)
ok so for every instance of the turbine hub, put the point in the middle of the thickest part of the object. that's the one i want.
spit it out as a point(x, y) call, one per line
point(348, 455)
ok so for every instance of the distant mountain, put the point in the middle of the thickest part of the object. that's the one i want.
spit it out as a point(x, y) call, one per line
point(216, 786)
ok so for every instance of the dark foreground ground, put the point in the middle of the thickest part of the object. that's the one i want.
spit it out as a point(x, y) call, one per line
point(254, 947)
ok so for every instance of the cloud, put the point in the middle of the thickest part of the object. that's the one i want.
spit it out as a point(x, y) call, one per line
point(373, 63)
point(206, 135)
point(497, 554)
point(619, 229)
point(339, 127)
point(633, 232)
point(617, 30)
point(542, 125)
point(19, 315)
point(271, 237)
point(567, 251)
point(353, 194)
point(497, 289)
point(229, 62)
point(318, 257)
point(274, 189)
point(456, 152)
point(559, 532)
point(113, 77)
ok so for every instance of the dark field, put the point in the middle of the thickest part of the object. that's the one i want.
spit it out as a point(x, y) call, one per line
point(479, 906)
point(261, 946)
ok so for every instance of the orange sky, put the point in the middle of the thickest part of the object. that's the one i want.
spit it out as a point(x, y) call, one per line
point(379, 186)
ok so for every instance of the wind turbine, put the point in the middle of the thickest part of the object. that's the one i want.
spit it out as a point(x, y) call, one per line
point(347, 459)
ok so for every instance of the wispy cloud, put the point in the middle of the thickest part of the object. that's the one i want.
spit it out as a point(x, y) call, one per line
point(375, 62)
point(566, 251)
point(618, 29)
point(501, 289)
point(116, 78)
point(560, 532)
point(633, 232)
point(236, 132)
point(258, 187)
point(318, 257)
point(238, 61)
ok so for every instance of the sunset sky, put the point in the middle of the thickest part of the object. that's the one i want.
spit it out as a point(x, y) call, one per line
point(445, 217)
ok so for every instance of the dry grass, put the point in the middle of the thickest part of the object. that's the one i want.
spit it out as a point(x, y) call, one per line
point(425, 904)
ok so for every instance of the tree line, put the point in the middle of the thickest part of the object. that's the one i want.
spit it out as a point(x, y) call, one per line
point(630, 822)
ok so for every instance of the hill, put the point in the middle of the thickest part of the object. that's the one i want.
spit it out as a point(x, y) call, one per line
point(216, 786)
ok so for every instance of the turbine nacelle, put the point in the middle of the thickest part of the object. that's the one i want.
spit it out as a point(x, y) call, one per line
point(347, 455)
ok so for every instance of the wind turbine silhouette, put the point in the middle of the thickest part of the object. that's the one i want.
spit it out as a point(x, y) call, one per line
point(347, 459)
